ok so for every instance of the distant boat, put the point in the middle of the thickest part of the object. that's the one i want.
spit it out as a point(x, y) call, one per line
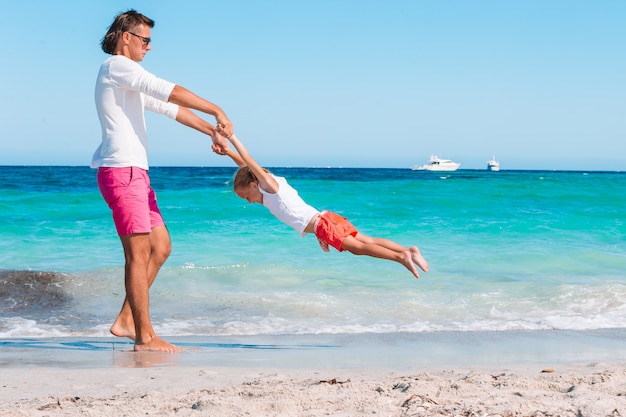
point(437, 164)
point(493, 165)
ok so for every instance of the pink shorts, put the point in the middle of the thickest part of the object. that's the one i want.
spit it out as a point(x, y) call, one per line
point(333, 229)
point(128, 193)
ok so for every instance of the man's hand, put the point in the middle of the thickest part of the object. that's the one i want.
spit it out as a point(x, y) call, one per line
point(224, 126)
point(219, 142)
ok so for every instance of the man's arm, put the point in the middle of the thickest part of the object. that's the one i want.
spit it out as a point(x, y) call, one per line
point(190, 119)
point(185, 98)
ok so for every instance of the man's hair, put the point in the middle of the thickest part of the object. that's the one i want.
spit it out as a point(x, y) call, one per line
point(123, 22)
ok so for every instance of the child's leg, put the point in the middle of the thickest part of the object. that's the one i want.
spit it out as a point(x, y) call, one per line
point(358, 247)
point(386, 243)
point(415, 253)
point(418, 258)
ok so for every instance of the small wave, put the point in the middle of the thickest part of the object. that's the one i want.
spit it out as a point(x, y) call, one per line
point(24, 291)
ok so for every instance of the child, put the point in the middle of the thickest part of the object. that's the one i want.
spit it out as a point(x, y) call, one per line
point(257, 185)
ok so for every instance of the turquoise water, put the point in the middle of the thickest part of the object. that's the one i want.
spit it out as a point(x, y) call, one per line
point(507, 250)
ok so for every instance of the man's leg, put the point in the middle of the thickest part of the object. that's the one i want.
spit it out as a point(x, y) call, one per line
point(144, 253)
point(160, 249)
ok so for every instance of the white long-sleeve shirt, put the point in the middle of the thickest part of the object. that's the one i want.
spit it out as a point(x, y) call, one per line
point(123, 90)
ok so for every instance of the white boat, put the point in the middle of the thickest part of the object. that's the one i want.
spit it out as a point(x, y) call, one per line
point(437, 164)
point(493, 164)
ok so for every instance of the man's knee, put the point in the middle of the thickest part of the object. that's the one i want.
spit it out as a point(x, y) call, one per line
point(160, 251)
point(160, 244)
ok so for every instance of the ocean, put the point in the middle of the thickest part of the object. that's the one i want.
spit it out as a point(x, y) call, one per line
point(508, 250)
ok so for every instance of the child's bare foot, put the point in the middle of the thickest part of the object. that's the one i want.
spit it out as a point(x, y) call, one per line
point(419, 259)
point(156, 344)
point(407, 261)
point(122, 329)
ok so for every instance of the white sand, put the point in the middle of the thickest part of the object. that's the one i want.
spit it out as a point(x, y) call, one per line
point(454, 374)
point(571, 390)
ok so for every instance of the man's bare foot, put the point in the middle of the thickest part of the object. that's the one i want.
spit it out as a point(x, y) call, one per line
point(407, 261)
point(156, 344)
point(122, 329)
point(419, 259)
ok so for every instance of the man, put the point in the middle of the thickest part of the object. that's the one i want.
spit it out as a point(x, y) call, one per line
point(123, 90)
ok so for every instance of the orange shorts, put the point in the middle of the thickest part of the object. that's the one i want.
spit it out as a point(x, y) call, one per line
point(333, 229)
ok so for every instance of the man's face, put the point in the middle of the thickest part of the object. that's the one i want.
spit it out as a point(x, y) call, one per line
point(138, 42)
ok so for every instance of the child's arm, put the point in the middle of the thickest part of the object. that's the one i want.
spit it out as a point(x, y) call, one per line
point(265, 179)
point(231, 153)
point(236, 158)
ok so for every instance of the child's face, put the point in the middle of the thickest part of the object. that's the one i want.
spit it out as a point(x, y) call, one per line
point(250, 193)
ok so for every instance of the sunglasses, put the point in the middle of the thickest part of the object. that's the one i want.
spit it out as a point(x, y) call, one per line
point(146, 41)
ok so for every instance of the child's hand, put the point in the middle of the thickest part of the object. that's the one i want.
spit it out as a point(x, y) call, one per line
point(219, 149)
point(323, 245)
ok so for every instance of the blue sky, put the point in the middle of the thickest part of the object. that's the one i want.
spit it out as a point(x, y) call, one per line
point(354, 83)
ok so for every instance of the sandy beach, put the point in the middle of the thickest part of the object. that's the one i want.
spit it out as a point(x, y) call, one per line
point(546, 374)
